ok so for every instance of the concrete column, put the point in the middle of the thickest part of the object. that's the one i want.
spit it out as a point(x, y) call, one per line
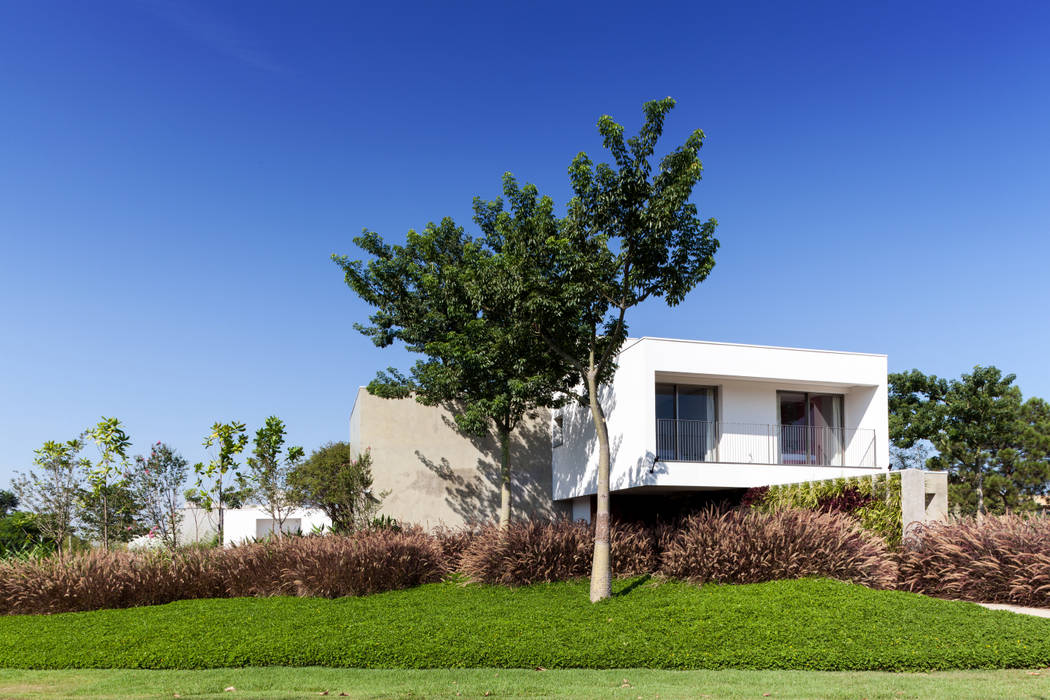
point(924, 496)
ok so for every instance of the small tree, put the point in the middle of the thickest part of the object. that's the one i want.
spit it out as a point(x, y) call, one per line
point(111, 513)
point(109, 470)
point(160, 479)
point(431, 295)
point(340, 484)
point(269, 470)
point(52, 494)
point(229, 440)
point(630, 234)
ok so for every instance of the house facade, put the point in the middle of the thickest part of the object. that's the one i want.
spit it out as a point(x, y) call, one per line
point(688, 420)
point(689, 415)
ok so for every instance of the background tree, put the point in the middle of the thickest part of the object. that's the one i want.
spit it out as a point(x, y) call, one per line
point(992, 444)
point(338, 482)
point(159, 480)
point(630, 234)
point(8, 502)
point(227, 487)
point(269, 470)
point(429, 294)
point(111, 513)
point(51, 494)
point(109, 471)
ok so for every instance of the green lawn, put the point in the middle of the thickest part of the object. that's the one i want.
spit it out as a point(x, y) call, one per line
point(628, 684)
point(808, 624)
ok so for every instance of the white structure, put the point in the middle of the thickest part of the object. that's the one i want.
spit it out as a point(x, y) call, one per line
point(245, 524)
point(239, 525)
point(697, 416)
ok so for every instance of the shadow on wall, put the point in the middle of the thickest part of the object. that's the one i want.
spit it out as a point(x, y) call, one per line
point(474, 495)
point(579, 474)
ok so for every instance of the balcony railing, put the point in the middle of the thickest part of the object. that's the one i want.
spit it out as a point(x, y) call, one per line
point(756, 443)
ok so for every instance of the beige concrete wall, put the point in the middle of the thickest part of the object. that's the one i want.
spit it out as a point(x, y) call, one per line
point(436, 476)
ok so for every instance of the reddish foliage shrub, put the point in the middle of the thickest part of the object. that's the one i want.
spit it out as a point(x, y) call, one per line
point(1004, 559)
point(331, 566)
point(747, 546)
point(753, 496)
point(849, 501)
point(454, 543)
point(535, 552)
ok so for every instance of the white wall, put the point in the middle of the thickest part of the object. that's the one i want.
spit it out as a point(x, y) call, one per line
point(242, 524)
point(748, 378)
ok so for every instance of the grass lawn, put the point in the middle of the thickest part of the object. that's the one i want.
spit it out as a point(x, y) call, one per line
point(805, 625)
point(628, 684)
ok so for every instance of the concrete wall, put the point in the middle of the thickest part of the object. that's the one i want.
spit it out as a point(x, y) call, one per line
point(436, 476)
point(748, 378)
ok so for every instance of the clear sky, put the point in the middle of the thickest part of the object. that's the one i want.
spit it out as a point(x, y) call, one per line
point(174, 176)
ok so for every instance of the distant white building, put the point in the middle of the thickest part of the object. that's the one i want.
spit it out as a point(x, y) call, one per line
point(239, 525)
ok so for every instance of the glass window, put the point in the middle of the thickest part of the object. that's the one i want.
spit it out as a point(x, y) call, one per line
point(686, 427)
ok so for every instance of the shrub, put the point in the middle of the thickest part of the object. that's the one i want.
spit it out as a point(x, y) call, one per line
point(874, 501)
point(366, 562)
point(534, 552)
point(1004, 559)
point(747, 546)
point(454, 543)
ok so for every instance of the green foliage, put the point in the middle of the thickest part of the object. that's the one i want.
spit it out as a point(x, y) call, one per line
point(339, 482)
point(20, 534)
point(107, 478)
point(881, 516)
point(8, 502)
point(51, 493)
point(229, 439)
point(995, 447)
point(809, 624)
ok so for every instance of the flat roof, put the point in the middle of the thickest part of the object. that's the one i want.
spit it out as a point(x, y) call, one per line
point(631, 342)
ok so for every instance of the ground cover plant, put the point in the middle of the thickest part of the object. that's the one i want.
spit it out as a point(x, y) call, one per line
point(285, 683)
point(1002, 559)
point(816, 624)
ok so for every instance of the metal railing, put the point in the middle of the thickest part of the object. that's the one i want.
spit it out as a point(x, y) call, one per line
point(758, 443)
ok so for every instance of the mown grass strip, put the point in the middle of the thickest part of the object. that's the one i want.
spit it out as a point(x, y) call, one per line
point(802, 625)
point(628, 684)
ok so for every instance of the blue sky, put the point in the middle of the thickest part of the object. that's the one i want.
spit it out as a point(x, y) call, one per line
point(175, 175)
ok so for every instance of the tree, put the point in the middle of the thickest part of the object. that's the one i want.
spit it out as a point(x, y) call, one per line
point(430, 294)
point(111, 513)
point(269, 470)
point(52, 494)
point(159, 482)
point(109, 470)
point(8, 502)
point(229, 440)
point(992, 444)
point(338, 482)
point(629, 235)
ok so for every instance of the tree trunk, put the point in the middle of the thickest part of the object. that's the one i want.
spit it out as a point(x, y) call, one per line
point(105, 519)
point(601, 570)
point(222, 540)
point(980, 490)
point(504, 481)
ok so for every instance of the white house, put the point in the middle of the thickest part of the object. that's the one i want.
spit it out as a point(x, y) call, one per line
point(688, 415)
point(688, 420)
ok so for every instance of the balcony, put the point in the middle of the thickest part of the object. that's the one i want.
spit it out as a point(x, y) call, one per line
point(755, 443)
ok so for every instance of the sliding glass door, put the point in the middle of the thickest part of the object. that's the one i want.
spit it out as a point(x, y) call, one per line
point(811, 428)
point(686, 427)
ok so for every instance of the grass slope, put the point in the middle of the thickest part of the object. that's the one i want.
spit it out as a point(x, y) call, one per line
point(807, 624)
point(626, 684)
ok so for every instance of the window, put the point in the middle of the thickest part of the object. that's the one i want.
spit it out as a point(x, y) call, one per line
point(557, 430)
point(686, 422)
point(811, 428)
